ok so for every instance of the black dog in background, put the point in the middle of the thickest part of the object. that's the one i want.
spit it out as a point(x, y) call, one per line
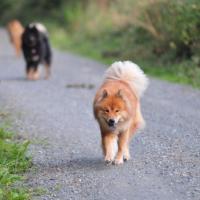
point(36, 50)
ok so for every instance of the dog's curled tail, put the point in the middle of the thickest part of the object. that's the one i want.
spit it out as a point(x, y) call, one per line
point(130, 73)
point(40, 27)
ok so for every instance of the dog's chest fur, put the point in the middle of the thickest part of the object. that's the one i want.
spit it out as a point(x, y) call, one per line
point(34, 54)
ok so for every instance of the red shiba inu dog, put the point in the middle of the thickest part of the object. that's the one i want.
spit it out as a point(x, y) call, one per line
point(15, 30)
point(117, 108)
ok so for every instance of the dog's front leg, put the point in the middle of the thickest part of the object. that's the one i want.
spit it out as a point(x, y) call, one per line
point(36, 74)
point(122, 147)
point(29, 73)
point(108, 144)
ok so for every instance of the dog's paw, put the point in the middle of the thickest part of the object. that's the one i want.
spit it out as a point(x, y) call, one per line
point(108, 160)
point(118, 161)
point(126, 158)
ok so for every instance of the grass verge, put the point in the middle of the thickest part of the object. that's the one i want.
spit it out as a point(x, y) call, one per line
point(13, 163)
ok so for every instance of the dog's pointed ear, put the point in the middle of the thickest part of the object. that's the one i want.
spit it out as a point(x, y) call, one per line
point(119, 94)
point(104, 94)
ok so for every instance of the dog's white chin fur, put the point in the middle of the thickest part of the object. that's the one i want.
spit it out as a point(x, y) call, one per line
point(130, 73)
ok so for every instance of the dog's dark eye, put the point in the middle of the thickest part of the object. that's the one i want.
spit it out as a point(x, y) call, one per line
point(106, 111)
point(116, 111)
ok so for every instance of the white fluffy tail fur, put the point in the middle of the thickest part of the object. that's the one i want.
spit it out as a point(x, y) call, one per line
point(130, 73)
point(40, 27)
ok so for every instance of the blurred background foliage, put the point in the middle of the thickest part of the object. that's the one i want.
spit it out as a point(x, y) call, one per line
point(163, 36)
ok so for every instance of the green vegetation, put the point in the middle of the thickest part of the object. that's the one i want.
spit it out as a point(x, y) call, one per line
point(13, 163)
point(162, 36)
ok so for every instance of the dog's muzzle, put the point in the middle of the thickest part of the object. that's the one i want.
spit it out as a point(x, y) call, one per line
point(111, 123)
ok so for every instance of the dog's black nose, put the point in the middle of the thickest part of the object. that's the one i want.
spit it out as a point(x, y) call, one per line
point(111, 122)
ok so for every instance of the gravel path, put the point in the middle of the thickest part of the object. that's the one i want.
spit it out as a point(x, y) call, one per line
point(66, 149)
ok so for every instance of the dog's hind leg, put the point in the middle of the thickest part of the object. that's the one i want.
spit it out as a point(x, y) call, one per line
point(18, 50)
point(48, 71)
point(48, 58)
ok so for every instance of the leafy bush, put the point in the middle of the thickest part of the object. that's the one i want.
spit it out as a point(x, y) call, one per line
point(59, 11)
point(176, 25)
